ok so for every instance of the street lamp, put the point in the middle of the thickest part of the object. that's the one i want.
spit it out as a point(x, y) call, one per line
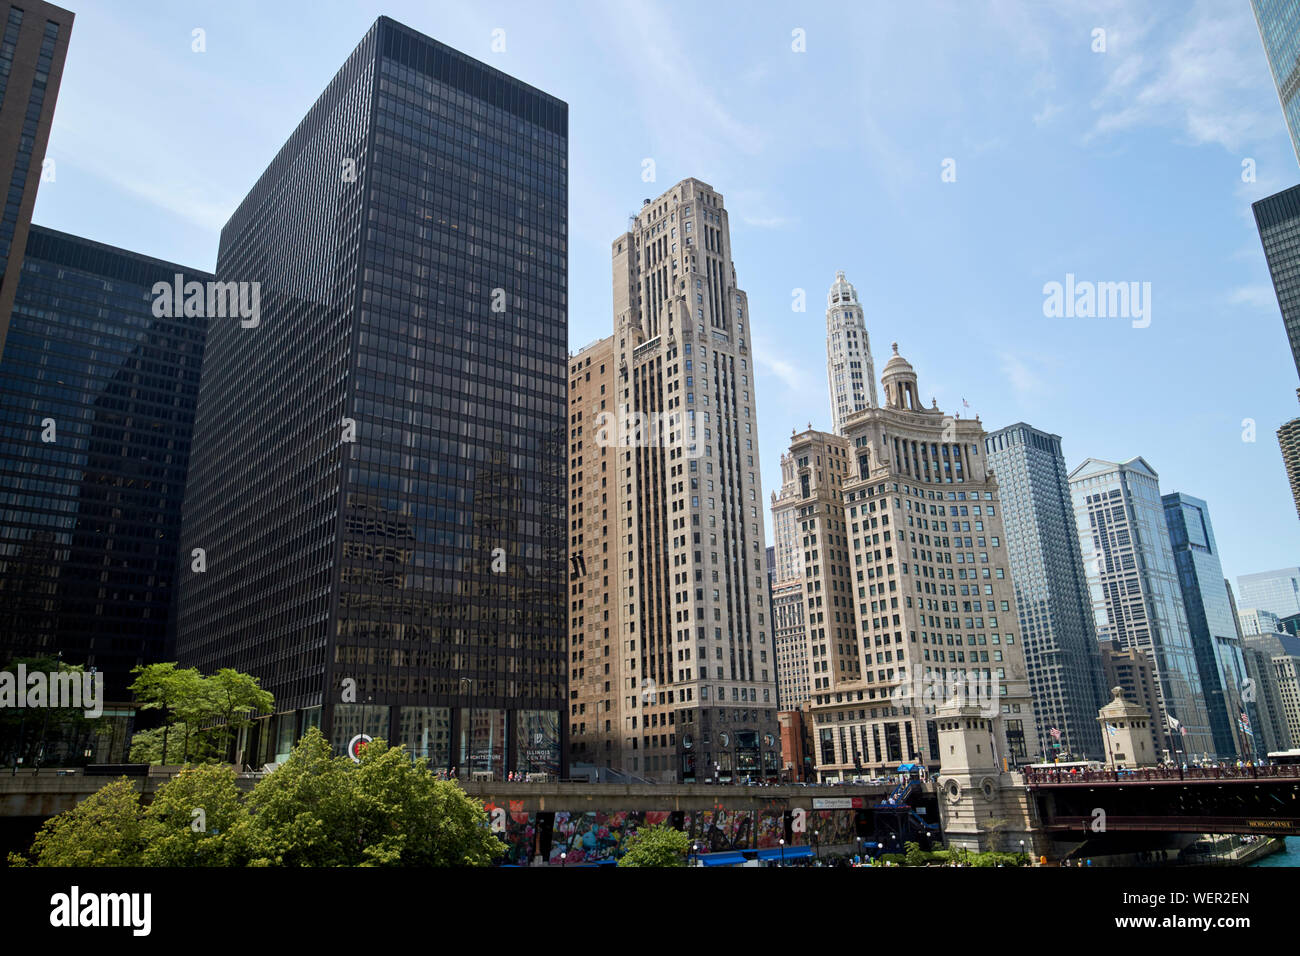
point(468, 732)
point(563, 856)
point(782, 842)
point(817, 847)
point(1022, 853)
point(859, 849)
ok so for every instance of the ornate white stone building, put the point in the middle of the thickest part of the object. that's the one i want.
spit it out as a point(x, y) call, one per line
point(850, 371)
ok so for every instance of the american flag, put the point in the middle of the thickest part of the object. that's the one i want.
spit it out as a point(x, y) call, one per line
point(1245, 724)
point(1056, 734)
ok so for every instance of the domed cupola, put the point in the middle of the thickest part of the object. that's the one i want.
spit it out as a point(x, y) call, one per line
point(899, 380)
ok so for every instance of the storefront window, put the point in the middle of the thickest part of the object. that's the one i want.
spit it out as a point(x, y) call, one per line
point(357, 720)
point(482, 742)
point(426, 732)
point(537, 742)
point(286, 735)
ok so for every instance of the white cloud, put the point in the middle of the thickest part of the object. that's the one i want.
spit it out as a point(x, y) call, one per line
point(1198, 81)
point(1255, 296)
point(1048, 111)
point(1021, 375)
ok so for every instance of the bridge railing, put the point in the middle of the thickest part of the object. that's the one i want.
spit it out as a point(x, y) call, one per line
point(1039, 776)
point(1179, 823)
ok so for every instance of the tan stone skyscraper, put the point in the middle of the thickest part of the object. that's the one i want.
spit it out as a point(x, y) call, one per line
point(933, 594)
point(664, 514)
point(811, 506)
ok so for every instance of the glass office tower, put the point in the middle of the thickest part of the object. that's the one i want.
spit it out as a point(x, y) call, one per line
point(1279, 28)
point(97, 399)
point(1136, 598)
point(1061, 654)
point(379, 476)
point(1275, 591)
point(1277, 218)
point(1210, 619)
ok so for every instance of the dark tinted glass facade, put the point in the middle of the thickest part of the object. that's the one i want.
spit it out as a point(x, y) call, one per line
point(1061, 654)
point(33, 44)
point(380, 476)
point(1278, 220)
point(97, 400)
point(1210, 619)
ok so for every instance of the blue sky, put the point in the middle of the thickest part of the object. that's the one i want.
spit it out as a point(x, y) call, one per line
point(1117, 166)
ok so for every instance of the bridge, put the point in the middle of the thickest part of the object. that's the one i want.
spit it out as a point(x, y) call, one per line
point(1227, 799)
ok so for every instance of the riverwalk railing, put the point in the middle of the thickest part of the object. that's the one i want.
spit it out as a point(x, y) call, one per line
point(1048, 776)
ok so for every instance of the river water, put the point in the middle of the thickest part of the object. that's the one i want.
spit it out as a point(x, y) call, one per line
point(1289, 857)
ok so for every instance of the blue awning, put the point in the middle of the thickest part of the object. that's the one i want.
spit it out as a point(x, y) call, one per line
point(791, 853)
point(905, 767)
point(721, 859)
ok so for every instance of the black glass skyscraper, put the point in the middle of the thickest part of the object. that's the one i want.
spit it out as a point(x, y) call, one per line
point(378, 489)
point(1278, 219)
point(97, 399)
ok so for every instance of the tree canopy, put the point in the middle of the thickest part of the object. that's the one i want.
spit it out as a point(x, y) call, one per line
point(658, 845)
point(316, 809)
point(201, 715)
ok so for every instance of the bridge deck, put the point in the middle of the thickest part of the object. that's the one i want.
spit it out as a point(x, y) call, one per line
point(1037, 779)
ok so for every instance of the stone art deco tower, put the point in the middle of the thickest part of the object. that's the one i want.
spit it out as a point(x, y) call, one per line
point(849, 369)
point(935, 605)
point(674, 525)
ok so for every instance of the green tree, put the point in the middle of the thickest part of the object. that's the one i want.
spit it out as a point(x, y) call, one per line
point(56, 730)
point(105, 829)
point(314, 810)
point(147, 745)
point(659, 845)
point(182, 697)
point(196, 819)
point(201, 714)
point(320, 810)
point(236, 698)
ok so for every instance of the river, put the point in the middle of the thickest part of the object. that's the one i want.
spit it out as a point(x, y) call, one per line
point(1288, 857)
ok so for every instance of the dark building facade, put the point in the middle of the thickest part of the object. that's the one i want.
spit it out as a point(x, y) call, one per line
point(1052, 602)
point(1211, 620)
point(97, 398)
point(379, 479)
point(33, 46)
point(1277, 218)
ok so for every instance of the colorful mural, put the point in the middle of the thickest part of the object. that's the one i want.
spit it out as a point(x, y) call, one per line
point(600, 836)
